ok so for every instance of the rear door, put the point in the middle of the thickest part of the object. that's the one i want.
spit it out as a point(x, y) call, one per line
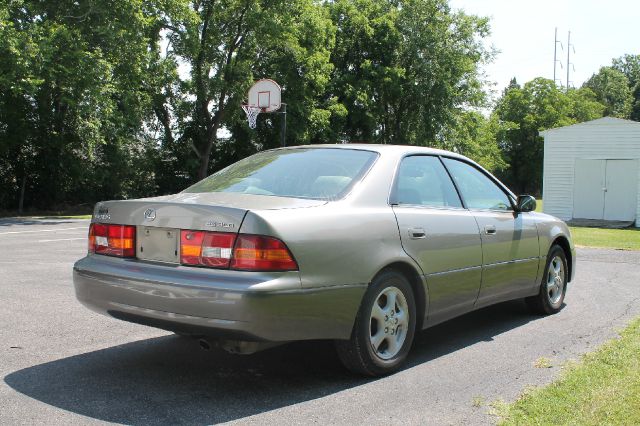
point(439, 234)
point(510, 246)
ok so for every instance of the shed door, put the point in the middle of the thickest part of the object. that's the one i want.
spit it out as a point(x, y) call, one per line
point(605, 189)
point(621, 193)
point(588, 189)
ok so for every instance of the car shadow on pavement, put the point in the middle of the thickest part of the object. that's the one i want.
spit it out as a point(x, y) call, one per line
point(169, 380)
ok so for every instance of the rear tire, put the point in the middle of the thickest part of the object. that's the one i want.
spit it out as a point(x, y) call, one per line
point(553, 286)
point(384, 328)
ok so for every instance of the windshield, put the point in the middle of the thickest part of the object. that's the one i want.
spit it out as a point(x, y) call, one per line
point(318, 173)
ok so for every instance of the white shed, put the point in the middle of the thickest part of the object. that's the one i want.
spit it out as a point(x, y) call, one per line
point(592, 171)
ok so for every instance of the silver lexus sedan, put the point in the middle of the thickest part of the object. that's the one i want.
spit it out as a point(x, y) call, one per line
point(361, 244)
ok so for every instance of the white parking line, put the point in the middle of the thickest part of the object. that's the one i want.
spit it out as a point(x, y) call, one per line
point(62, 239)
point(43, 230)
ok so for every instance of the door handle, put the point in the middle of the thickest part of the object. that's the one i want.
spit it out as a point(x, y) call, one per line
point(490, 230)
point(417, 233)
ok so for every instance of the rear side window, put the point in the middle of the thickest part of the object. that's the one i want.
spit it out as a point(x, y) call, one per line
point(317, 173)
point(477, 189)
point(423, 181)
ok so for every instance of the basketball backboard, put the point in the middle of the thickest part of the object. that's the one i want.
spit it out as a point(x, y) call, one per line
point(265, 94)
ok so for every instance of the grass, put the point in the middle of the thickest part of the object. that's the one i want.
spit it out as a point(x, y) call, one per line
point(81, 211)
point(625, 239)
point(539, 206)
point(604, 388)
point(477, 401)
point(542, 362)
point(72, 216)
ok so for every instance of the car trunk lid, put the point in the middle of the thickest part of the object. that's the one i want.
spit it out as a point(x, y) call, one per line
point(159, 219)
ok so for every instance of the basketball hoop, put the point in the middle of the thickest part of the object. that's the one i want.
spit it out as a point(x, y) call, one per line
point(252, 112)
point(265, 96)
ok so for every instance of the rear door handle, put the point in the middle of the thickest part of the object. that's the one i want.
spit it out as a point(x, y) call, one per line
point(417, 233)
point(490, 230)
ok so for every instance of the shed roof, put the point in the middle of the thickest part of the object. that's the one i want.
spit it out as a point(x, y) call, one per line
point(604, 121)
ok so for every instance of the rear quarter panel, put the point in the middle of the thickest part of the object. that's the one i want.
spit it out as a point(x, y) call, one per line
point(334, 244)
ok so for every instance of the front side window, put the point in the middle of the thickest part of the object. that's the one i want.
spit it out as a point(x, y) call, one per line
point(477, 190)
point(423, 181)
point(317, 173)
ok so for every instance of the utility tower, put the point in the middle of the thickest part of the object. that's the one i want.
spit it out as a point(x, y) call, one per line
point(555, 57)
point(570, 47)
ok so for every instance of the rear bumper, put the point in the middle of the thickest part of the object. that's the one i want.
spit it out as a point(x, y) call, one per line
point(234, 305)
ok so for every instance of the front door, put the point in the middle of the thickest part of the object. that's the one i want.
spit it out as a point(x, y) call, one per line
point(439, 234)
point(510, 246)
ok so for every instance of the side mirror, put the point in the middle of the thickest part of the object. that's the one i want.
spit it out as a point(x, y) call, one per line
point(526, 203)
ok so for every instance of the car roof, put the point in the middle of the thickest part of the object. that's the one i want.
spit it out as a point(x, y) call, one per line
point(401, 151)
point(395, 149)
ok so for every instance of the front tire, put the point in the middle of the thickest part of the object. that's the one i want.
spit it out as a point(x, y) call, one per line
point(384, 328)
point(553, 287)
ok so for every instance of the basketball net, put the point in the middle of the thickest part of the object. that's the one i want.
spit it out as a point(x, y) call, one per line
point(252, 112)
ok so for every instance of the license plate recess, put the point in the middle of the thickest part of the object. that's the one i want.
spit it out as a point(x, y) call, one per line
point(157, 244)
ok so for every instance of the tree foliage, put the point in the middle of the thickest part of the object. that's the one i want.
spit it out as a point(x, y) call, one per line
point(226, 46)
point(523, 113)
point(612, 90)
point(629, 65)
point(402, 69)
point(73, 100)
point(127, 98)
point(123, 98)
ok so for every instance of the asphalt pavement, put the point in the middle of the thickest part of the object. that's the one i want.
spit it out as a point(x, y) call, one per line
point(63, 364)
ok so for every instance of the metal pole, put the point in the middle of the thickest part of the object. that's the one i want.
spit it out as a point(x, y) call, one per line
point(555, 47)
point(568, 63)
point(283, 126)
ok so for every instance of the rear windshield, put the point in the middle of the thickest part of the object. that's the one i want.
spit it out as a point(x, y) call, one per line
point(317, 173)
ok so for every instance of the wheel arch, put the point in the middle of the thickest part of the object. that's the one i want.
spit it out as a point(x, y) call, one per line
point(417, 285)
point(563, 242)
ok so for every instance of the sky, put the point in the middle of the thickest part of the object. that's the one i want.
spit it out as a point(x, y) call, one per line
point(523, 32)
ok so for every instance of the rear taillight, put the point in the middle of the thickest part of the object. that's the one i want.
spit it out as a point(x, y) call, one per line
point(260, 253)
point(241, 252)
point(112, 240)
point(212, 249)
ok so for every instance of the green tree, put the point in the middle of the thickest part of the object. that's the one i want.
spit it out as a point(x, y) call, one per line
point(523, 113)
point(124, 98)
point(629, 65)
point(403, 69)
point(73, 98)
point(225, 46)
point(475, 136)
point(612, 90)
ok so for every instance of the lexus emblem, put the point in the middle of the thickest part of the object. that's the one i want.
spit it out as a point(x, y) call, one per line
point(149, 214)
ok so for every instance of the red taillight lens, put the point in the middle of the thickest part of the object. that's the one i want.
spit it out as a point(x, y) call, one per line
point(228, 250)
point(260, 253)
point(212, 249)
point(112, 240)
